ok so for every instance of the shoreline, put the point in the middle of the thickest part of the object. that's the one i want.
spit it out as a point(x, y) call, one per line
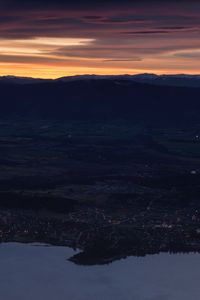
point(98, 244)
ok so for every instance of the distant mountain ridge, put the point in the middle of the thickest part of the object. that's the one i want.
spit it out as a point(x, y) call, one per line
point(170, 80)
point(21, 80)
point(103, 99)
point(183, 80)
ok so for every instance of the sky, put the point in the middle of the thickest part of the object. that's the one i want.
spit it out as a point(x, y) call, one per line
point(51, 39)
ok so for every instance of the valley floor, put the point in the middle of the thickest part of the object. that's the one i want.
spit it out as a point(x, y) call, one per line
point(111, 189)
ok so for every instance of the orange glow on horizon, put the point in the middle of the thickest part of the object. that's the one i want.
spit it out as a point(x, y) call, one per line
point(51, 57)
point(50, 41)
point(56, 72)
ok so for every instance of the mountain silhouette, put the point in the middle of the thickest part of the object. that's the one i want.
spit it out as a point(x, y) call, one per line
point(102, 98)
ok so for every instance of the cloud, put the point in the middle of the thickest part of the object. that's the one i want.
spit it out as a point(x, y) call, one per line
point(190, 54)
point(102, 33)
point(123, 60)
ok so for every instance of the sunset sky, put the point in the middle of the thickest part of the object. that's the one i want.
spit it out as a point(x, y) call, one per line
point(50, 39)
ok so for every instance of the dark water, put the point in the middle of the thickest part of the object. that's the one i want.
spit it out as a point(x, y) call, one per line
point(30, 272)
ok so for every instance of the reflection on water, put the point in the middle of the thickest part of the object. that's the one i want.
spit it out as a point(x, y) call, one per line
point(28, 272)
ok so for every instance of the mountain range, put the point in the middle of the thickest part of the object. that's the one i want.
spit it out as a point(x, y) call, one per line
point(170, 80)
point(102, 97)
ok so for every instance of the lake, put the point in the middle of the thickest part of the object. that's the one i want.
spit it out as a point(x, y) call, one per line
point(38, 272)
